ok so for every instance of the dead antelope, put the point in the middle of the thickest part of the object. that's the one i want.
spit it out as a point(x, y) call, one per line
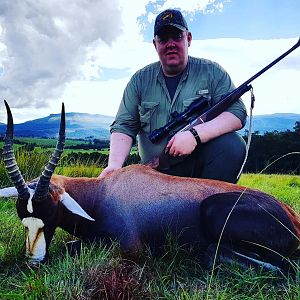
point(137, 205)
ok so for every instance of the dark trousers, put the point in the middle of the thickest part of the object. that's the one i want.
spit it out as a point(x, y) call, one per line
point(219, 159)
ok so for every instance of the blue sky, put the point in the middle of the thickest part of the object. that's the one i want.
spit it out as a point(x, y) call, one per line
point(255, 19)
point(246, 19)
point(84, 52)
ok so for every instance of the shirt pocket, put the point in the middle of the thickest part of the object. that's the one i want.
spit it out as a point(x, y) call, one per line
point(148, 116)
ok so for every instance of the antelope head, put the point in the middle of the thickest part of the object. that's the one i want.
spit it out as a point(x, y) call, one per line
point(37, 202)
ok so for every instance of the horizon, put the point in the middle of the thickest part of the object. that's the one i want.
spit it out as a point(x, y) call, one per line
point(89, 52)
point(95, 114)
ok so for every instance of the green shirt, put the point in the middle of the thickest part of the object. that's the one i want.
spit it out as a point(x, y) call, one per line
point(146, 104)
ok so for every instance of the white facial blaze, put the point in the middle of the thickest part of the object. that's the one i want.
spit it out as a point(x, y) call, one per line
point(35, 239)
point(29, 203)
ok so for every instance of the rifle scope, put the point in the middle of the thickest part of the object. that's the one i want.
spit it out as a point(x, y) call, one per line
point(178, 119)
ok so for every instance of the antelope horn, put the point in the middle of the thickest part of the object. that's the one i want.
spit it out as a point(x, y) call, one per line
point(44, 181)
point(10, 160)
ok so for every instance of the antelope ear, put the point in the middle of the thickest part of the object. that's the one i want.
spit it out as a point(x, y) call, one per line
point(73, 206)
point(9, 192)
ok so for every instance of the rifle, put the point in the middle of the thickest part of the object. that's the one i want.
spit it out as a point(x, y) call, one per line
point(188, 119)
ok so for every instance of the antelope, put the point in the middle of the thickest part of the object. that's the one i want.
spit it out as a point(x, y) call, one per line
point(139, 206)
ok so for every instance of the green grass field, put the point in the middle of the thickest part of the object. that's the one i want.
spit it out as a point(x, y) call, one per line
point(51, 142)
point(48, 142)
point(102, 273)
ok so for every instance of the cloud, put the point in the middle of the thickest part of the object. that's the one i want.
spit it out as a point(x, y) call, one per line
point(192, 6)
point(83, 52)
point(47, 41)
point(45, 46)
point(277, 90)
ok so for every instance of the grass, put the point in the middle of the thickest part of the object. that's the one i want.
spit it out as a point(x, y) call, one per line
point(48, 143)
point(51, 142)
point(102, 273)
point(285, 187)
point(30, 163)
point(79, 171)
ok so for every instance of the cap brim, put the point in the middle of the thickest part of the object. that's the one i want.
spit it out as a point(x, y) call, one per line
point(182, 28)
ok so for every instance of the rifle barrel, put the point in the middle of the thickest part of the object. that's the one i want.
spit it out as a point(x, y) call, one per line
point(222, 105)
point(273, 63)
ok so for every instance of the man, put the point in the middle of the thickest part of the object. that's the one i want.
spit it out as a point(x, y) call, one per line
point(210, 150)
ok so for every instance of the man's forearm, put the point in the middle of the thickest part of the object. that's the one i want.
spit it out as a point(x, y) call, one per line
point(224, 123)
point(184, 142)
point(120, 145)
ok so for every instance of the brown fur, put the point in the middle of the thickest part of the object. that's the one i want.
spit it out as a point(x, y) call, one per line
point(137, 205)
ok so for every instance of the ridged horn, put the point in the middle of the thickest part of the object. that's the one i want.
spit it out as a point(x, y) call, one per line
point(44, 181)
point(10, 160)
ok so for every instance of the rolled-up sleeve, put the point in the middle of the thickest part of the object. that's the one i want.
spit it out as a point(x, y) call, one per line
point(223, 85)
point(127, 119)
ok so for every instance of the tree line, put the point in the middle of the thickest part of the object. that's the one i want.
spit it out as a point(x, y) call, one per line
point(272, 152)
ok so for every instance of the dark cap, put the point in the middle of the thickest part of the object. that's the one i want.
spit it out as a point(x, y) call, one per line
point(170, 17)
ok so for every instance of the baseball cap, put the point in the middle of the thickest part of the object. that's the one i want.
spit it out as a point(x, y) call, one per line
point(170, 17)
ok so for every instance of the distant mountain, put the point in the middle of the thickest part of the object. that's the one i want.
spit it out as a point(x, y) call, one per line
point(78, 125)
point(278, 121)
point(83, 125)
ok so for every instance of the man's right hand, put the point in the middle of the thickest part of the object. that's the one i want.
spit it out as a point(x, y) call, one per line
point(120, 145)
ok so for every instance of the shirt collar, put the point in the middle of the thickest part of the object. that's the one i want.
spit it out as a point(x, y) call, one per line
point(160, 73)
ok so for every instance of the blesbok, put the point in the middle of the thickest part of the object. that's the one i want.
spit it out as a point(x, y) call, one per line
point(137, 205)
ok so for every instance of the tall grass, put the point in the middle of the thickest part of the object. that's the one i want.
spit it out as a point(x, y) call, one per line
point(102, 273)
point(30, 163)
point(79, 170)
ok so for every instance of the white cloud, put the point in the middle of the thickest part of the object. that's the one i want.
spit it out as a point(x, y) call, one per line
point(49, 47)
point(193, 6)
point(53, 51)
point(45, 43)
point(277, 90)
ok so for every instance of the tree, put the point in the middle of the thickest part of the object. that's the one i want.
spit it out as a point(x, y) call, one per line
point(297, 127)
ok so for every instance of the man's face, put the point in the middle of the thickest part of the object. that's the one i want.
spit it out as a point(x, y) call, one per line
point(172, 45)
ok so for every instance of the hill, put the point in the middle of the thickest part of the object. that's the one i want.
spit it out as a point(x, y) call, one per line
point(78, 126)
point(272, 122)
point(83, 125)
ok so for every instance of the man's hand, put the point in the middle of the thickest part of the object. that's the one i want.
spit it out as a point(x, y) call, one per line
point(182, 143)
point(120, 145)
point(109, 169)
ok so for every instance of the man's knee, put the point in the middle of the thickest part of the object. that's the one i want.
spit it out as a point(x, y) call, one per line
point(230, 145)
point(222, 158)
point(219, 159)
point(233, 147)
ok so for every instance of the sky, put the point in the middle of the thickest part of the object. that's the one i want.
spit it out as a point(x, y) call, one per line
point(83, 52)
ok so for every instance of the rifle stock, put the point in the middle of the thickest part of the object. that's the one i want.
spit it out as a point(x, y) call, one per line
point(163, 161)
